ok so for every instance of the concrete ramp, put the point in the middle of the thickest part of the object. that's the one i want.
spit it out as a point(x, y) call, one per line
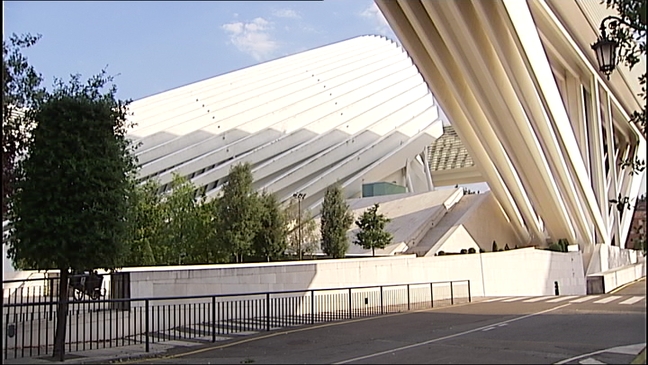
point(412, 216)
point(474, 222)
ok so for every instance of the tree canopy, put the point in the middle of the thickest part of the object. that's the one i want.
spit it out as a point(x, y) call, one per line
point(71, 203)
point(336, 219)
point(372, 234)
point(21, 95)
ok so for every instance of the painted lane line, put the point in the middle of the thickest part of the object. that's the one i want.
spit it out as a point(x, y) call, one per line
point(585, 299)
point(607, 300)
point(589, 360)
point(496, 299)
point(488, 329)
point(560, 299)
point(449, 336)
point(628, 350)
point(537, 299)
point(514, 299)
point(633, 300)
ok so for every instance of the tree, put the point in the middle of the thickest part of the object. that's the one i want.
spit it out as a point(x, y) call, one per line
point(336, 219)
point(71, 202)
point(21, 95)
point(236, 212)
point(494, 249)
point(631, 37)
point(186, 230)
point(270, 240)
point(372, 232)
point(307, 243)
point(146, 224)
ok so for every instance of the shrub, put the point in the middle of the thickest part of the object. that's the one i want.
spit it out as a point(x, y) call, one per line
point(441, 253)
point(555, 247)
point(481, 250)
point(463, 251)
point(494, 246)
point(506, 247)
point(472, 250)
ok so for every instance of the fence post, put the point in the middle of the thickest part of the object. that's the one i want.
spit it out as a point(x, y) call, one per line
point(213, 318)
point(432, 295)
point(408, 297)
point(382, 310)
point(312, 306)
point(350, 315)
point(469, 297)
point(268, 311)
point(451, 294)
point(146, 304)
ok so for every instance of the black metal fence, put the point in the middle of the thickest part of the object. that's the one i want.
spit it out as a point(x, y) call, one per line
point(29, 325)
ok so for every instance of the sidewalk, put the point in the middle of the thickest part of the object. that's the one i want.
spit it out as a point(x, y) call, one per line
point(110, 355)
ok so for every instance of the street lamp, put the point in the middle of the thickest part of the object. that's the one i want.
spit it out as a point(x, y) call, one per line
point(605, 47)
point(299, 197)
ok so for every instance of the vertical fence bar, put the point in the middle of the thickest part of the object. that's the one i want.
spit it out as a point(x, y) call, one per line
point(146, 329)
point(382, 309)
point(312, 307)
point(469, 297)
point(213, 318)
point(451, 294)
point(408, 297)
point(432, 295)
point(350, 314)
point(267, 311)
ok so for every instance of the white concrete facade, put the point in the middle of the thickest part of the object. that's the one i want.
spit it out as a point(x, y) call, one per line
point(355, 111)
point(520, 85)
point(522, 272)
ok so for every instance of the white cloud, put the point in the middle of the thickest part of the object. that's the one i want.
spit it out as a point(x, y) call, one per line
point(286, 13)
point(252, 38)
point(374, 14)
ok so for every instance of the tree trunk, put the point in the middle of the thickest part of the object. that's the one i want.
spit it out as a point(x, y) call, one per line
point(61, 316)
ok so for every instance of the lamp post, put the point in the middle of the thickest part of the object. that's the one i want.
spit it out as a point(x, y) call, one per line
point(605, 47)
point(299, 197)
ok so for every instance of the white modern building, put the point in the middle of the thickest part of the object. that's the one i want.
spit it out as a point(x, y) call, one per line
point(520, 83)
point(356, 112)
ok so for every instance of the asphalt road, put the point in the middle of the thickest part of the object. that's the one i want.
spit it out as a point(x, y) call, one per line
point(608, 328)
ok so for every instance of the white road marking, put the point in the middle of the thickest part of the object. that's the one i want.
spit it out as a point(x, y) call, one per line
point(449, 336)
point(496, 299)
point(585, 299)
point(488, 329)
point(560, 299)
point(589, 360)
point(537, 299)
point(607, 300)
point(633, 300)
point(628, 350)
point(514, 299)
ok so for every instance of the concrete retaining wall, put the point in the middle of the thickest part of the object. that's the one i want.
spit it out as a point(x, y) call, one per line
point(607, 281)
point(516, 272)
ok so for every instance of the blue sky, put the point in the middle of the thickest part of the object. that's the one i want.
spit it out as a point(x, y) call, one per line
point(156, 46)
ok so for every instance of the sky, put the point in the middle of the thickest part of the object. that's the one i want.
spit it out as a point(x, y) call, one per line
point(153, 46)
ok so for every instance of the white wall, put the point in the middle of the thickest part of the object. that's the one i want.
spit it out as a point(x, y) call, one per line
point(515, 272)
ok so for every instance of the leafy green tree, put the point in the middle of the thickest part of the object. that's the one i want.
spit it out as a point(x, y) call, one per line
point(21, 95)
point(146, 224)
point(307, 241)
point(71, 202)
point(171, 228)
point(236, 219)
point(372, 232)
point(270, 240)
point(336, 219)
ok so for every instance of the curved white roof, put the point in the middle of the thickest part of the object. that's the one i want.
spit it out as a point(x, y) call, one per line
point(355, 111)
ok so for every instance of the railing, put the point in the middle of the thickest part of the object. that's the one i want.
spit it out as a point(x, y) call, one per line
point(29, 327)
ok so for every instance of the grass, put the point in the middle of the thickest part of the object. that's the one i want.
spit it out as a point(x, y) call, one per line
point(641, 358)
